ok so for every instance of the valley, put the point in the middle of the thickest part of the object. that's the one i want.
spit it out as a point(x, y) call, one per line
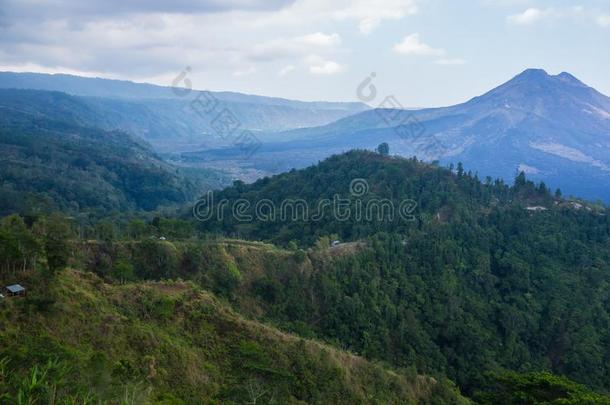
point(472, 293)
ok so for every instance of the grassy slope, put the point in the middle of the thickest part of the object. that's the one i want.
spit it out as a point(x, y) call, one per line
point(261, 281)
point(171, 342)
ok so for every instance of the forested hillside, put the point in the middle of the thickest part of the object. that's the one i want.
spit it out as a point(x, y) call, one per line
point(79, 339)
point(385, 303)
point(486, 276)
point(51, 160)
point(439, 195)
point(502, 289)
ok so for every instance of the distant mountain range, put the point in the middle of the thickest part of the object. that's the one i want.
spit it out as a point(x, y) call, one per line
point(178, 120)
point(55, 158)
point(554, 128)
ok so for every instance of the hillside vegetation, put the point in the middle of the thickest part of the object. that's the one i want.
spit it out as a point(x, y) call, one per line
point(486, 276)
point(502, 289)
point(52, 161)
point(85, 341)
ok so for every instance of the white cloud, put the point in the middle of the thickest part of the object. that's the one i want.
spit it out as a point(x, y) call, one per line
point(286, 69)
point(320, 39)
point(370, 13)
point(505, 3)
point(157, 39)
point(244, 72)
point(113, 8)
point(412, 45)
point(281, 48)
point(454, 61)
point(313, 49)
point(604, 20)
point(367, 14)
point(529, 16)
point(534, 15)
point(319, 66)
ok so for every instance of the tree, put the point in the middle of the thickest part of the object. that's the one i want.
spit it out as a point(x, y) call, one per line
point(256, 391)
point(105, 230)
point(123, 271)
point(383, 149)
point(19, 247)
point(9, 250)
point(136, 229)
point(558, 193)
point(542, 188)
point(57, 242)
point(520, 180)
point(460, 169)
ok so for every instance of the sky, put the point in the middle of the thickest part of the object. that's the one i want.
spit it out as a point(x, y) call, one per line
point(424, 52)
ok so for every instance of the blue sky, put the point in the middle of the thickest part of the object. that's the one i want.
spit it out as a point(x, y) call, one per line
point(425, 52)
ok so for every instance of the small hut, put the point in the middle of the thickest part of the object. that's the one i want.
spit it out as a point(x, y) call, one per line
point(15, 290)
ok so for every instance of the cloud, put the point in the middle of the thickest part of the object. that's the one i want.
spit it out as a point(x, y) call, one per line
point(286, 69)
point(412, 45)
point(109, 8)
point(534, 15)
point(505, 3)
point(150, 45)
point(604, 20)
point(320, 39)
point(319, 66)
point(283, 48)
point(154, 38)
point(275, 49)
point(454, 61)
point(370, 13)
point(244, 72)
point(529, 16)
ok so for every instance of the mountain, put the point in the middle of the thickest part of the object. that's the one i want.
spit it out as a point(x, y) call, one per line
point(174, 120)
point(54, 157)
point(554, 128)
point(475, 282)
point(466, 279)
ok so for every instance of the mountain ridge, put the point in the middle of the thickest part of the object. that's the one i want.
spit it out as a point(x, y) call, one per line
point(128, 89)
point(555, 124)
point(178, 119)
point(55, 156)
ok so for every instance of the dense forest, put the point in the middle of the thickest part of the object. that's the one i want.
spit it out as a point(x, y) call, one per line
point(486, 275)
point(436, 196)
point(503, 289)
point(77, 338)
point(52, 161)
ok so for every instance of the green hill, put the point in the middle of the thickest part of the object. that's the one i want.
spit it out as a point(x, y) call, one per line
point(484, 277)
point(53, 161)
point(433, 192)
point(85, 341)
point(502, 289)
